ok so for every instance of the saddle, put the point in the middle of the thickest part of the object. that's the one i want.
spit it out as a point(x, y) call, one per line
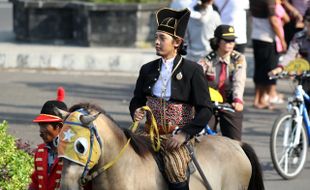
point(160, 164)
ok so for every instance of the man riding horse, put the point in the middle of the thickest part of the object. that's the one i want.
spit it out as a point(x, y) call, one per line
point(172, 86)
point(94, 148)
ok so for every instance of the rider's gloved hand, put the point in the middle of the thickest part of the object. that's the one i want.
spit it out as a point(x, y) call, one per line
point(139, 114)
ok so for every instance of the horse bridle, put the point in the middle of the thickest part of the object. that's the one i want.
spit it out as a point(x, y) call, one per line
point(93, 133)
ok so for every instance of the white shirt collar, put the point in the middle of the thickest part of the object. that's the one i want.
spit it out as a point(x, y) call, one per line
point(168, 63)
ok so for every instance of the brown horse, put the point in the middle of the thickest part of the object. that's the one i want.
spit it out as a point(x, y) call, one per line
point(227, 164)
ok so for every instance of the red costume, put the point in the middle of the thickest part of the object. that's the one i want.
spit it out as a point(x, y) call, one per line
point(46, 176)
point(41, 180)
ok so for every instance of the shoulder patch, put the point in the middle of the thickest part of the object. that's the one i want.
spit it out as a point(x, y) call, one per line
point(211, 56)
point(235, 56)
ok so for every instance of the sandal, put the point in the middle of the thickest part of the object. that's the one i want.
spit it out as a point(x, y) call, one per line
point(276, 100)
point(263, 106)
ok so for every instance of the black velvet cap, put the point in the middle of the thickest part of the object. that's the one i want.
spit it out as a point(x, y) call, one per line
point(48, 107)
point(48, 113)
point(172, 22)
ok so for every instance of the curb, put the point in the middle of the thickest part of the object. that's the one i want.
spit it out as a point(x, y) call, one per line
point(81, 59)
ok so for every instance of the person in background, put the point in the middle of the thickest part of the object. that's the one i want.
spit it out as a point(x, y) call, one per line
point(282, 18)
point(299, 47)
point(186, 4)
point(265, 28)
point(47, 166)
point(225, 69)
point(200, 31)
point(181, 4)
point(234, 13)
point(295, 9)
point(172, 86)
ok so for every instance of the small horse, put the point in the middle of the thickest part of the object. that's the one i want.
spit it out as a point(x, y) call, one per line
point(227, 164)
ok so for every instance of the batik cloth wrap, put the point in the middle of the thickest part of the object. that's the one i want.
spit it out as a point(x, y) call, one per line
point(170, 115)
point(73, 132)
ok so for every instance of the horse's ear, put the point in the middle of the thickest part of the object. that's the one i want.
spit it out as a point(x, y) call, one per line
point(61, 113)
point(87, 119)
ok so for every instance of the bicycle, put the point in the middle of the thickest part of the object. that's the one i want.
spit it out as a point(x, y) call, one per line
point(290, 133)
point(217, 100)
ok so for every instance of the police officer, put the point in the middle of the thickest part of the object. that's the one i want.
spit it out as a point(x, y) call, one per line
point(225, 70)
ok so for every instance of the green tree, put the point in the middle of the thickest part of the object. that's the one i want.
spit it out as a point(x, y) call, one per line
point(15, 165)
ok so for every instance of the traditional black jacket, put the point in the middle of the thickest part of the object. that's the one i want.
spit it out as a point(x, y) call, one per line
point(188, 85)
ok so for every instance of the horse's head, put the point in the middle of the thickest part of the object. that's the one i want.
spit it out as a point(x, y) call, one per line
point(79, 146)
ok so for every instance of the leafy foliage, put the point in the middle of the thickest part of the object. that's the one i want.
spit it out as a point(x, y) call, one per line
point(15, 164)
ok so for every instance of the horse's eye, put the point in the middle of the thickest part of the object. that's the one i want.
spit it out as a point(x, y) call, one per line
point(81, 145)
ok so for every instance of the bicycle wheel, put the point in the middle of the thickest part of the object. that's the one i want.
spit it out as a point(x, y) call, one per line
point(288, 160)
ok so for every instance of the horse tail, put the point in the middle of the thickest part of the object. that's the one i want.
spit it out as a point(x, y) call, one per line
point(256, 182)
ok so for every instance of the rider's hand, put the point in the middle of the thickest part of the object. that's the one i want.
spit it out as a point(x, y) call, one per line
point(176, 141)
point(275, 71)
point(139, 114)
point(237, 106)
point(205, 65)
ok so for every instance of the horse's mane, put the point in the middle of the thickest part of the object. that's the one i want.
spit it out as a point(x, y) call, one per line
point(140, 144)
point(91, 107)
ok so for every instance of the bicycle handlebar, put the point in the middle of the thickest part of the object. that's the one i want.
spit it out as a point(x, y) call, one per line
point(224, 106)
point(286, 74)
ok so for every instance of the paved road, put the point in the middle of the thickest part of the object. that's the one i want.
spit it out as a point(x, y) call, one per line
point(23, 94)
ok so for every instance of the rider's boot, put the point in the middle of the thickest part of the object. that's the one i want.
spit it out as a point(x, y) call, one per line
point(179, 186)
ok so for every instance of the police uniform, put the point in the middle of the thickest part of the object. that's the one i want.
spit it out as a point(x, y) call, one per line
point(236, 74)
point(185, 88)
point(233, 82)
